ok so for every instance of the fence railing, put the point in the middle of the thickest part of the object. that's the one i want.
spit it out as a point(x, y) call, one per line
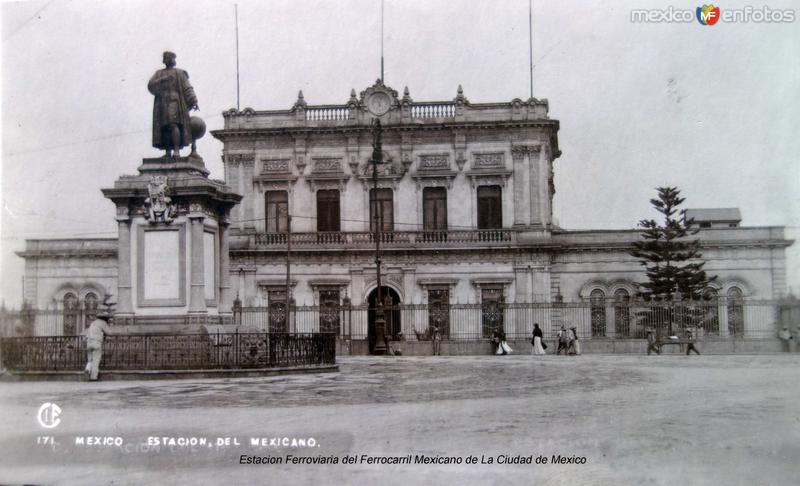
point(226, 351)
point(710, 320)
point(366, 239)
point(719, 319)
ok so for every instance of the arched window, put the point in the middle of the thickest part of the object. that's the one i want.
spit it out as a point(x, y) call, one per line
point(622, 313)
point(89, 308)
point(710, 311)
point(735, 311)
point(70, 313)
point(597, 300)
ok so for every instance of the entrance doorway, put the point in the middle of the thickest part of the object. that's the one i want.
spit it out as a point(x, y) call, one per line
point(391, 314)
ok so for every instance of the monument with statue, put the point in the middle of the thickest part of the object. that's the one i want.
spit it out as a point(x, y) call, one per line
point(173, 222)
point(173, 313)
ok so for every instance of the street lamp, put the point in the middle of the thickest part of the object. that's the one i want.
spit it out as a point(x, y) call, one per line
point(380, 320)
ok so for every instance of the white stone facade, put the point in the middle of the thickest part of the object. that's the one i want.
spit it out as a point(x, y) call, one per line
point(455, 145)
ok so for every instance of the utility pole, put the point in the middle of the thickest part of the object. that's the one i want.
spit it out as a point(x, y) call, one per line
point(380, 320)
point(288, 264)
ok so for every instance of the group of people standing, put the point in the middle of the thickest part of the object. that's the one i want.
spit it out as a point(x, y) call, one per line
point(567, 341)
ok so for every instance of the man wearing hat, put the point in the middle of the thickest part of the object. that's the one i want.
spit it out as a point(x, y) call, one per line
point(94, 342)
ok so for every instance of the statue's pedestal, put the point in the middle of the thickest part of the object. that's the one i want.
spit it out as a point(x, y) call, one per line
point(173, 246)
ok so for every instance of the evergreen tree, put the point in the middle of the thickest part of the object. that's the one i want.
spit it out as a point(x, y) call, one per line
point(673, 262)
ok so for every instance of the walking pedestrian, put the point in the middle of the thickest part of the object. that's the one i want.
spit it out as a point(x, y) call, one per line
point(786, 339)
point(94, 343)
point(575, 344)
point(536, 341)
point(562, 341)
point(795, 343)
point(495, 340)
point(504, 343)
point(690, 343)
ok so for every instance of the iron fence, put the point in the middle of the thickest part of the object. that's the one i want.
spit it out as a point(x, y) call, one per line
point(172, 351)
point(720, 319)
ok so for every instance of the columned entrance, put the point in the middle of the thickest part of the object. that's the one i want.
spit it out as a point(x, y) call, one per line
point(391, 314)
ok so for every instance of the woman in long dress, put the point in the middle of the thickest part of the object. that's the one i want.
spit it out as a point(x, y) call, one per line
point(538, 349)
point(576, 344)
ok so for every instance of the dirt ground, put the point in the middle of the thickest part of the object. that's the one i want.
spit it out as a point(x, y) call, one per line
point(632, 419)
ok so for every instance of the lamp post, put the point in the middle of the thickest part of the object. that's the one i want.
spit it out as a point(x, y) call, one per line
point(380, 320)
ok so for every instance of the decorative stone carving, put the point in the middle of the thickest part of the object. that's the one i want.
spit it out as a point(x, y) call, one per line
point(519, 151)
point(488, 161)
point(327, 173)
point(353, 163)
point(275, 166)
point(392, 278)
point(300, 104)
point(434, 162)
point(123, 213)
point(327, 165)
point(379, 98)
point(389, 173)
point(275, 175)
point(433, 170)
point(460, 98)
point(235, 159)
point(159, 205)
point(489, 169)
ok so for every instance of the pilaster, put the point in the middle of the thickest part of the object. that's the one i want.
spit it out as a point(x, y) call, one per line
point(124, 284)
point(197, 301)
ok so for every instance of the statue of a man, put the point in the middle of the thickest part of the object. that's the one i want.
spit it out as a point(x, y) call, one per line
point(174, 97)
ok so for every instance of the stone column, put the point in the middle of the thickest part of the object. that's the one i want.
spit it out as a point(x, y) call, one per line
point(522, 203)
point(124, 288)
point(197, 294)
point(249, 193)
point(535, 181)
point(543, 163)
point(225, 300)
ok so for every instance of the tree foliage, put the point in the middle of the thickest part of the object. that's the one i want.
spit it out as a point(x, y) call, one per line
point(672, 259)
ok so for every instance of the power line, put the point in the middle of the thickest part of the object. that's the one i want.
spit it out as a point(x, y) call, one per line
point(85, 141)
point(24, 24)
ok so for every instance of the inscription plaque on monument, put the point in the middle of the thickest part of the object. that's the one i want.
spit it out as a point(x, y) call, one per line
point(162, 256)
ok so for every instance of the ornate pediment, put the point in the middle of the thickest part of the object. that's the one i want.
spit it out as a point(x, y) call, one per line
point(433, 170)
point(379, 99)
point(276, 174)
point(488, 169)
point(390, 172)
point(327, 173)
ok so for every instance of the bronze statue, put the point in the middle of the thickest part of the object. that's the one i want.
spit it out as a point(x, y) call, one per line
point(174, 97)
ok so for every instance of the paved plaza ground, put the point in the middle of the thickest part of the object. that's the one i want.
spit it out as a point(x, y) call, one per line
point(635, 419)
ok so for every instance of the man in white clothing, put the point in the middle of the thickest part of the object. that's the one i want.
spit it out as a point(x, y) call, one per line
point(94, 343)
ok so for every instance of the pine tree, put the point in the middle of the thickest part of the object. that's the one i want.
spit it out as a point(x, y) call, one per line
point(673, 262)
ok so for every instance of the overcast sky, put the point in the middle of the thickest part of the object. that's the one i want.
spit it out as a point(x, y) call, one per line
point(711, 109)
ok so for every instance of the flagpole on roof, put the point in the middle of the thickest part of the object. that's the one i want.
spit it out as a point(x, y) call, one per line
point(236, 13)
point(530, 41)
